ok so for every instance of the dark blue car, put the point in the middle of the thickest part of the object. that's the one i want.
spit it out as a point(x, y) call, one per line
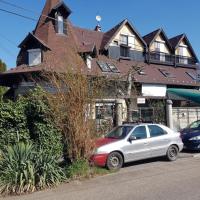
point(191, 136)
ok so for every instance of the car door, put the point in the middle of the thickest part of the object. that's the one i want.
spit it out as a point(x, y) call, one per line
point(138, 148)
point(159, 140)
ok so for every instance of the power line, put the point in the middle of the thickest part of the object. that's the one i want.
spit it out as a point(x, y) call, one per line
point(8, 40)
point(17, 14)
point(28, 10)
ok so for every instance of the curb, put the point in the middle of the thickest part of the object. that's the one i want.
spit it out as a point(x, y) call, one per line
point(196, 155)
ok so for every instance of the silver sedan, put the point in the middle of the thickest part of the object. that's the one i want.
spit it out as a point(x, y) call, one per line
point(133, 142)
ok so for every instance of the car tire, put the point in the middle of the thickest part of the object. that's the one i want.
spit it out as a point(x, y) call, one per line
point(172, 153)
point(114, 161)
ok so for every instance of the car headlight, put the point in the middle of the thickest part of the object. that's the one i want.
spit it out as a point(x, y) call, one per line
point(195, 138)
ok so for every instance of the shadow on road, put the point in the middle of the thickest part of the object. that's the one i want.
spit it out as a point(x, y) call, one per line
point(150, 160)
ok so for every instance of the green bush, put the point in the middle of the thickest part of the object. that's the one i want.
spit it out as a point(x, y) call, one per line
point(13, 123)
point(29, 119)
point(25, 170)
point(41, 126)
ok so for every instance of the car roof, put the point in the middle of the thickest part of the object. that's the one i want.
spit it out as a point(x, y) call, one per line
point(137, 124)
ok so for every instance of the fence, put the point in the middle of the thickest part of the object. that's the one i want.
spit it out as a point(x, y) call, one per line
point(182, 117)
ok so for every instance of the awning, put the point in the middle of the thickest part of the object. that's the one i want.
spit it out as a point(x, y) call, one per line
point(184, 94)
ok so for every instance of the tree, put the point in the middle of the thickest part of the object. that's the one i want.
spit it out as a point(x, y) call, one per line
point(3, 68)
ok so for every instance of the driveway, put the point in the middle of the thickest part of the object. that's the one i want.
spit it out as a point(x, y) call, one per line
point(155, 179)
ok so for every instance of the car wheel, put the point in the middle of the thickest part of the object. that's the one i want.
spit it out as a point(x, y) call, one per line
point(114, 161)
point(172, 153)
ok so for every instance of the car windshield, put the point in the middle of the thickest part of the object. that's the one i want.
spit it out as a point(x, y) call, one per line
point(119, 132)
point(195, 124)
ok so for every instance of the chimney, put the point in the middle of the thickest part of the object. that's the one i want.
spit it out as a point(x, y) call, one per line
point(98, 28)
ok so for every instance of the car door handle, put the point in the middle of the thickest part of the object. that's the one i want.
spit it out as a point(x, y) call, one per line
point(145, 143)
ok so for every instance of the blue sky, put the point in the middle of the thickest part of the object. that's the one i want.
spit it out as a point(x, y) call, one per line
point(174, 16)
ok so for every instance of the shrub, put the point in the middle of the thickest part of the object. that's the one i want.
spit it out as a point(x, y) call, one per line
point(13, 123)
point(49, 173)
point(43, 131)
point(17, 169)
point(24, 170)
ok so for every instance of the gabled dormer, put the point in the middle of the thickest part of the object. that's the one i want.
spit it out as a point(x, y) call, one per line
point(60, 12)
point(123, 41)
point(32, 49)
point(183, 50)
point(55, 13)
point(159, 47)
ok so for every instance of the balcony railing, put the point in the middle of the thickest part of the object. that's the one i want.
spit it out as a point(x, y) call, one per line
point(159, 57)
point(183, 60)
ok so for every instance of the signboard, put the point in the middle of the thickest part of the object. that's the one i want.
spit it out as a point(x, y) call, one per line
point(141, 100)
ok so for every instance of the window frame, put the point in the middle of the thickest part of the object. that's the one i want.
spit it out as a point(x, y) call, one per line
point(34, 51)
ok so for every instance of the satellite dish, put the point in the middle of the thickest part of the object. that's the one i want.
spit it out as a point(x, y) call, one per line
point(98, 18)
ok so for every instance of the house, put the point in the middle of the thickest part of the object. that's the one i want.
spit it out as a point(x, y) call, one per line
point(161, 63)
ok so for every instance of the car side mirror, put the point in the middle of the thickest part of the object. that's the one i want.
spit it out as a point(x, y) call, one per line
point(132, 138)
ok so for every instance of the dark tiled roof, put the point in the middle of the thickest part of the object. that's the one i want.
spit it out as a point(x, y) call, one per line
point(150, 36)
point(88, 37)
point(152, 71)
point(175, 40)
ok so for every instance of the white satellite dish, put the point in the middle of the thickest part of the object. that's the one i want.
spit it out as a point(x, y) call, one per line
point(98, 18)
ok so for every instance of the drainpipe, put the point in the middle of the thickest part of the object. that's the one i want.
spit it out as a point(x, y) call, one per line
point(169, 114)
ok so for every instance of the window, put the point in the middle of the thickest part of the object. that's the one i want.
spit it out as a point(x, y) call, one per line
point(167, 74)
point(113, 68)
point(104, 67)
point(195, 77)
point(124, 39)
point(183, 55)
point(156, 131)
point(34, 57)
point(60, 25)
point(107, 67)
point(120, 132)
point(160, 47)
point(140, 132)
point(124, 52)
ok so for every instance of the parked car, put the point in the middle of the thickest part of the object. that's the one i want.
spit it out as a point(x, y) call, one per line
point(191, 136)
point(133, 142)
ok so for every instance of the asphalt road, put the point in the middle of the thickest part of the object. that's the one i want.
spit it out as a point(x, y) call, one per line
point(148, 180)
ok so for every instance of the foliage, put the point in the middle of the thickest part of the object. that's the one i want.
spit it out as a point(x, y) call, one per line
point(41, 126)
point(3, 66)
point(71, 106)
point(17, 169)
point(24, 170)
point(13, 123)
point(48, 172)
point(78, 169)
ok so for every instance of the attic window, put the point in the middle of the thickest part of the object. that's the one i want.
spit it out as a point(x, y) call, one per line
point(124, 39)
point(34, 57)
point(195, 77)
point(167, 74)
point(107, 67)
point(60, 24)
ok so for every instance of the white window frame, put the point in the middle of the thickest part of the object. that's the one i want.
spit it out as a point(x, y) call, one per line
point(38, 58)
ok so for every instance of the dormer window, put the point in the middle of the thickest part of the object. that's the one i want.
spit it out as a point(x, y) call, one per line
point(60, 24)
point(34, 57)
